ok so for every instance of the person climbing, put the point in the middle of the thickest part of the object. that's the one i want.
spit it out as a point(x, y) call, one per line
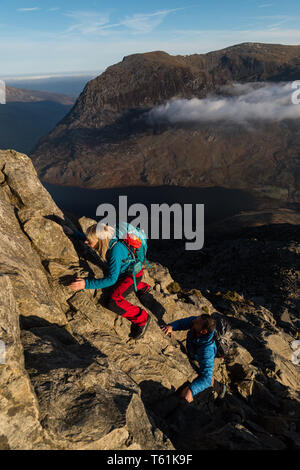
point(119, 281)
point(202, 349)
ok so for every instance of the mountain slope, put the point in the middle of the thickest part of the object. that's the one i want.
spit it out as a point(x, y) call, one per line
point(107, 128)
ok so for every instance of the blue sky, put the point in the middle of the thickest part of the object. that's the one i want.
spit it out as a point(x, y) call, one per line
point(41, 37)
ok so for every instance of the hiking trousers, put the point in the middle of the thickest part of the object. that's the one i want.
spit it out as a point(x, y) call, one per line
point(118, 303)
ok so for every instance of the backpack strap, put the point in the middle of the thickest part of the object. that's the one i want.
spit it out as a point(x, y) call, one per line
point(114, 243)
point(134, 282)
point(130, 251)
point(123, 243)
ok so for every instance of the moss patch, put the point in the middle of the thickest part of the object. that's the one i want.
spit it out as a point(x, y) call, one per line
point(173, 288)
point(4, 443)
point(196, 292)
point(233, 296)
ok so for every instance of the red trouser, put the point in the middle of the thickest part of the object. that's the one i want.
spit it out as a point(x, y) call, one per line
point(118, 304)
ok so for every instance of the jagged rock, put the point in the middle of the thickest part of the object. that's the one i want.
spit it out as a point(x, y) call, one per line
point(201, 302)
point(242, 373)
point(242, 379)
point(234, 437)
point(19, 411)
point(21, 262)
point(161, 275)
point(49, 240)
point(143, 429)
point(85, 223)
point(24, 186)
point(35, 254)
point(241, 355)
point(80, 400)
point(73, 379)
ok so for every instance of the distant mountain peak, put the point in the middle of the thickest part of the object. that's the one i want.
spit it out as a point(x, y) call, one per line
point(105, 128)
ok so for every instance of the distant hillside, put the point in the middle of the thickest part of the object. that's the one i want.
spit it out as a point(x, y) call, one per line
point(28, 115)
point(32, 96)
point(70, 84)
point(104, 140)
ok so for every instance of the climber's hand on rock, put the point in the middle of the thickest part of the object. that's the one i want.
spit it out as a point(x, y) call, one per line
point(167, 329)
point(67, 230)
point(186, 393)
point(78, 284)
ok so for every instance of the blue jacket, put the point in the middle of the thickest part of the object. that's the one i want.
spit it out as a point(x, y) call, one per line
point(202, 349)
point(118, 262)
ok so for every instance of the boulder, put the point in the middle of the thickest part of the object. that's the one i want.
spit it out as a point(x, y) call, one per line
point(19, 410)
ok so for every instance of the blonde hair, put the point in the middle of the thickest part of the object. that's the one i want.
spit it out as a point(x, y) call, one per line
point(102, 244)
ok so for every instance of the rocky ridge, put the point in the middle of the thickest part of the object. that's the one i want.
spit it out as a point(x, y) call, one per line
point(72, 379)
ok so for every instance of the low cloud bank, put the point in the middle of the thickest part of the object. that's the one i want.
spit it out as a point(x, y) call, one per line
point(237, 103)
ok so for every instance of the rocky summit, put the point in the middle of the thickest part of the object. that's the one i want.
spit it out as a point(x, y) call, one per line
point(107, 141)
point(71, 378)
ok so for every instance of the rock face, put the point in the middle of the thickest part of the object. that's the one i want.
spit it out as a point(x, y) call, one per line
point(20, 425)
point(72, 378)
point(106, 130)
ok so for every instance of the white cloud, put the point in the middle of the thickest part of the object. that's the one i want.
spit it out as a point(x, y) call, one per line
point(145, 23)
point(28, 9)
point(239, 103)
point(88, 22)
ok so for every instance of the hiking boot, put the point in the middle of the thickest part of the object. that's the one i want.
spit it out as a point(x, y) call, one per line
point(138, 332)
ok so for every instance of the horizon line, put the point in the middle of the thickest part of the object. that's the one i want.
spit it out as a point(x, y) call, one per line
point(41, 76)
point(45, 75)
